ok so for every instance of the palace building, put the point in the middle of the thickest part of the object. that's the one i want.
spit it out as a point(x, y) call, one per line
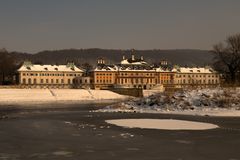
point(49, 76)
point(136, 73)
point(196, 77)
point(129, 73)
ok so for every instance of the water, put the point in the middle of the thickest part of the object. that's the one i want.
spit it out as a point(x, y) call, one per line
point(72, 132)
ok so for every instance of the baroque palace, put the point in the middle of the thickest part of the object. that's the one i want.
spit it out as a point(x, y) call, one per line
point(136, 73)
point(129, 73)
point(48, 76)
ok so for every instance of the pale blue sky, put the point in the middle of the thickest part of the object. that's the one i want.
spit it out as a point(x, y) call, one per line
point(35, 25)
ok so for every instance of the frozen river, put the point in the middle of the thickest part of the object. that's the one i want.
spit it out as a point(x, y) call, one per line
point(76, 133)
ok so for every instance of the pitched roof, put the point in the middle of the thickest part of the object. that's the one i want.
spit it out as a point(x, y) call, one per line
point(50, 68)
point(194, 70)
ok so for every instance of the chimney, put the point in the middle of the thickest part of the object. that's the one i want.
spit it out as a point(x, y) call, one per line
point(141, 58)
point(123, 57)
point(133, 58)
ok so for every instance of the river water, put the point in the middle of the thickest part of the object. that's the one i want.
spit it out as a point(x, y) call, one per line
point(73, 132)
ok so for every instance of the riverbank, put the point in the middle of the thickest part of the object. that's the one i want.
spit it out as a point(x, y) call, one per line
point(201, 102)
point(43, 96)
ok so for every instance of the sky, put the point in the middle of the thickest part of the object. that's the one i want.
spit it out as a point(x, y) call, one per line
point(36, 25)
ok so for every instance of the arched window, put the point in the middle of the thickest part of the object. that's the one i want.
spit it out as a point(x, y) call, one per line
point(24, 81)
point(29, 81)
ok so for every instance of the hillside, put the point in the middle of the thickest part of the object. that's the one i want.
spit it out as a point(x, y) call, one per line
point(80, 56)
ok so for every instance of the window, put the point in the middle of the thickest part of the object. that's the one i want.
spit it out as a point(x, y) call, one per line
point(56, 80)
point(69, 81)
point(29, 81)
point(35, 81)
point(41, 80)
point(46, 80)
point(24, 81)
point(62, 81)
point(52, 81)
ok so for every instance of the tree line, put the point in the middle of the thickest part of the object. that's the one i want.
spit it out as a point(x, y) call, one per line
point(226, 60)
point(8, 68)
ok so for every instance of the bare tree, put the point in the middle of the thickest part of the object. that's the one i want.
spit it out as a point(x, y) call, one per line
point(227, 57)
point(7, 67)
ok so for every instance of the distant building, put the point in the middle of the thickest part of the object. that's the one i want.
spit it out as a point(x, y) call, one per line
point(129, 73)
point(52, 76)
point(104, 76)
point(196, 76)
point(136, 73)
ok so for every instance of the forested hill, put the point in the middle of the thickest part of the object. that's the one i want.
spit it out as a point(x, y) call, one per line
point(80, 56)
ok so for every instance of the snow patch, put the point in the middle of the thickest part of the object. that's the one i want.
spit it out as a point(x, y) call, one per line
point(164, 124)
point(16, 96)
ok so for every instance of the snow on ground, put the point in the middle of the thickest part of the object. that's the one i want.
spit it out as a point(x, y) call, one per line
point(211, 102)
point(15, 96)
point(166, 124)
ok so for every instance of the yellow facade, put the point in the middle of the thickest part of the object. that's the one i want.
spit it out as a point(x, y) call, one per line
point(104, 79)
point(48, 75)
